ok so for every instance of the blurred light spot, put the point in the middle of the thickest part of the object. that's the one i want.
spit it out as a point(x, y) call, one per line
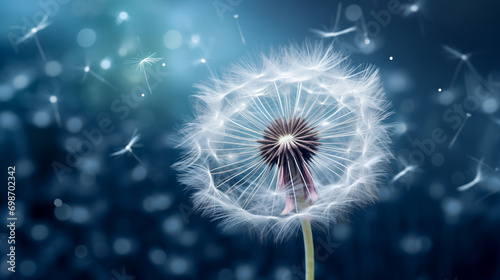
point(440, 89)
point(27, 268)
point(26, 167)
point(122, 51)
point(122, 246)
point(20, 81)
point(195, 39)
point(188, 238)
point(367, 41)
point(123, 15)
point(81, 251)
point(446, 97)
point(58, 202)
point(225, 274)
point(74, 124)
point(353, 12)
point(415, 244)
point(163, 64)
point(490, 106)
point(407, 106)
point(86, 69)
point(63, 212)
point(39, 232)
point(53, 99)
point(397, 82)
point(157, 256)
point(86, 37)
point(172, 39)
point(8, 120)
point(342, 232)
point(80, 214)
point(178, 266)
point(90, 164)
point(172, 225)
point(414, 8)
point(203, 60)
point(156, 203)
point(6, 93)
point(391, 58)
point(139, 173)
point(452, 207)
point(401, 128)
point(41, 119)
point(493, 184)
point(282, 273)
point(105, 64)
point(53, 68)
point(245, 272)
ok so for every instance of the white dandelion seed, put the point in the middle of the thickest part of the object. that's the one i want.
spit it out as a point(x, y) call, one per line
point(140, 64)
point(335, 32)
point(408, 169)
point(55, 103)
point(477, 178)
point(88, 71)
point(239, 29)
point(32, 33)
point(130, 146)
point(326, 34)
point(294, 139)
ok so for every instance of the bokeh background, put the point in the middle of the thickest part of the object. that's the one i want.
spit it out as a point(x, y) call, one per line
point(69, 97)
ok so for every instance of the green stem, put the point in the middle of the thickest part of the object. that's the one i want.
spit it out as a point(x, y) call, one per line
point(309, 249)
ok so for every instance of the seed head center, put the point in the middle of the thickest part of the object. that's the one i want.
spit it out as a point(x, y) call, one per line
point(286, 139)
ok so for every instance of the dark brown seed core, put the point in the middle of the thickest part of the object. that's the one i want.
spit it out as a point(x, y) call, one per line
point(288, 140)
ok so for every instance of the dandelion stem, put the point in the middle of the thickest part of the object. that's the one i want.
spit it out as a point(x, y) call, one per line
point(309, 249)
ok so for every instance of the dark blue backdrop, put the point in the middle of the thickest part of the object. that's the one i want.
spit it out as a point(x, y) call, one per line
point(84, 214)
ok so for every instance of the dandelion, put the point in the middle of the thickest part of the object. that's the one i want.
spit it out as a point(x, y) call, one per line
point(335, 32)
point(293, 140)
point(239, 29)
point(408, 169)
point(478, 178)
point(130, 146)
point(326, 34)
point(141, 63)
point(32, 33)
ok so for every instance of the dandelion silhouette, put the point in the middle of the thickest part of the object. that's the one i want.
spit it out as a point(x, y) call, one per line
point(140, 64)
point(292, 140)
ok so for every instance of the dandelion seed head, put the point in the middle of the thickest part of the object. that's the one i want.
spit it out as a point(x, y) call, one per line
point(139, 63)
point(296, 135)
point(44, 23)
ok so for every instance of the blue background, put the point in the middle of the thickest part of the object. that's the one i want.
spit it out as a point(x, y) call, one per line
point(108, 217)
